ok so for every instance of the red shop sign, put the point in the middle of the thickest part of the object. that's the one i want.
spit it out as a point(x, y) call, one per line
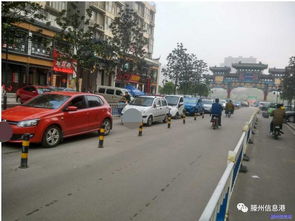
point(63, 66)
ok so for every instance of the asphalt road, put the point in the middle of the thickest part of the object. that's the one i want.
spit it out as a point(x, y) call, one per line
point(165, 175)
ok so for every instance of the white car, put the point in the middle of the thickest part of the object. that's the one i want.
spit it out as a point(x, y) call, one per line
point(207, 104)
point(176, 105)
point(152, 108)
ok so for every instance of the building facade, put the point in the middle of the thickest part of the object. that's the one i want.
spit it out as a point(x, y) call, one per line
point(31, 58)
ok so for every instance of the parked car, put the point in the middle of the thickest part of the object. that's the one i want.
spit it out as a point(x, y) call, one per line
point(176, 105)
point(112, 94)
point(62, 89)
point(26, 93)
point(152, 108)
point(290, 113)
point(207, 103)
point(190, 105)
point(50, 117)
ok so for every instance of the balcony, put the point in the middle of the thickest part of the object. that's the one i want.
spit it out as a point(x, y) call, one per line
point(98, 5)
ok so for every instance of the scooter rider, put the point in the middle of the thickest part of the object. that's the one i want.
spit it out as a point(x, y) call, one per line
point(278, 117)
point(216, 110)
point(229, 107)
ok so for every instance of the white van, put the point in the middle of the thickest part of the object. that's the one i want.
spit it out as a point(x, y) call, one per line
point(112, 94)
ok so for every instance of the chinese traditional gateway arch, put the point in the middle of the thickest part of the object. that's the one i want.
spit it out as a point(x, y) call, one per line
point(247, 75)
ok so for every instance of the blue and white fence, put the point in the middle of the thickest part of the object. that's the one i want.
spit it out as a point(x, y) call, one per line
point(217, 207)
point(117, 108)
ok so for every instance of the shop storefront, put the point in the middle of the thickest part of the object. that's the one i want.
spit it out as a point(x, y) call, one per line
point(63, 73)
point(18, 75)
point(124, 79)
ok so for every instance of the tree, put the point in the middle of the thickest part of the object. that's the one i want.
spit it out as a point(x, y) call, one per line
point(288, 92)
point(79, 41)
point(128, 39)
point(15, 12)
point(168, 88)
point(184, 69)
point(176, 66)
point(12, 14)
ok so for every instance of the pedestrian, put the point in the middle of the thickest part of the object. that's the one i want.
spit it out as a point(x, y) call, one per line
point(127, 97)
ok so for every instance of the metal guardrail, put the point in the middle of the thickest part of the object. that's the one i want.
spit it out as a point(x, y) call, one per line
point(217, 207)
point(117, 108)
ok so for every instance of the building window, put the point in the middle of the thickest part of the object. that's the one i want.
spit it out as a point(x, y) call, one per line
point(59, 6)
point(41, 46)
point(16, 40)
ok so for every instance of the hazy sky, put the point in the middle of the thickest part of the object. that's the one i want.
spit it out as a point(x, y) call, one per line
point(214, 30)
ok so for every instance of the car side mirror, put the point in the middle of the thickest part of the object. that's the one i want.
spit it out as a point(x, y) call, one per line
point(72, 108)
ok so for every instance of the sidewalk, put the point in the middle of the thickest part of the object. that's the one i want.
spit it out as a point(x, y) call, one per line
point(11, 100)
point(268, 188)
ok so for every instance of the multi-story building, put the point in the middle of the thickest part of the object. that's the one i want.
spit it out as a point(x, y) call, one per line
point(228, 61)
point(31, 59)
point(105, 13)
point(27, 52)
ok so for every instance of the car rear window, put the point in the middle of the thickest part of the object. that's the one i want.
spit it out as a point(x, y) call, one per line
point(47, 101)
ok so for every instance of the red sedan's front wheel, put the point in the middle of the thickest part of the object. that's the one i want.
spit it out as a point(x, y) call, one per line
point(52, 136)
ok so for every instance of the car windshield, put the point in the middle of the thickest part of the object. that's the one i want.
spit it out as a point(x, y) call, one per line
point(142, 101)
point(172, 100)
point(43, 90)
point(47, 101)
point(190, 100)
point(207, 101)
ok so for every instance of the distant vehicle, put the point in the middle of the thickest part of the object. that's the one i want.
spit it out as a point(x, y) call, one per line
point(271, 108)
point(50, 117)
point(207, 104)
point(245, 104)
point(28, 92)
point(223, 103)
point(176, 105)
point(152, 108)
point(263, 105)
point(112, 94)
point(237, 104)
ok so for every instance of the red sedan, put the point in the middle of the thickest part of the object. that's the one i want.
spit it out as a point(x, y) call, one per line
point(53, 116)
point(26, 93)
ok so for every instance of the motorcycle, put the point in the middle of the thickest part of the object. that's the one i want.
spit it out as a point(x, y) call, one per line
point(214, 122)
point(277, 132)
point(228, 114)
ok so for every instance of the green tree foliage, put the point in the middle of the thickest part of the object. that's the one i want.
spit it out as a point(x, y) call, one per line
point(184, 69)
point(79, 41)
point(289, 81)
point(14, 12)
point(168, 88)
point(128, 39)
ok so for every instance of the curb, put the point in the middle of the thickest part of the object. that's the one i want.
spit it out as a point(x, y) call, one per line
point(291, 126)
